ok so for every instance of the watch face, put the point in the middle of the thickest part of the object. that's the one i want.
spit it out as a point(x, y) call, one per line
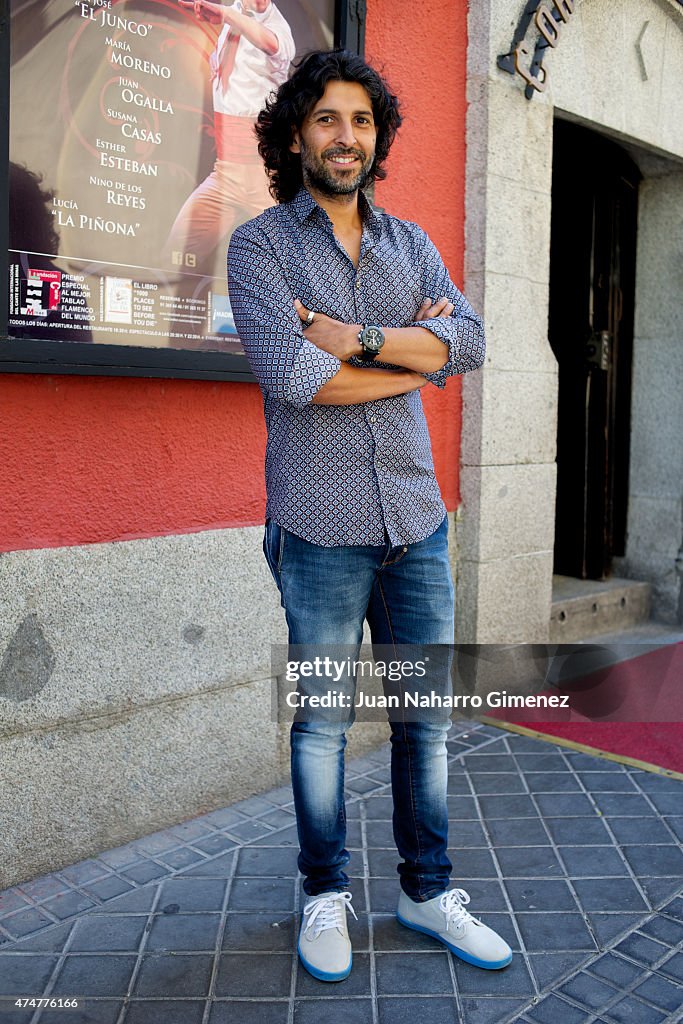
point(373, 338)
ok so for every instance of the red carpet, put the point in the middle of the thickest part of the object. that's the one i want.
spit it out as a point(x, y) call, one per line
point(633, 708)
point(659, 743)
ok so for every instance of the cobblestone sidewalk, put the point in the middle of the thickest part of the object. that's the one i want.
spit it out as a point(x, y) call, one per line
point(576, 860)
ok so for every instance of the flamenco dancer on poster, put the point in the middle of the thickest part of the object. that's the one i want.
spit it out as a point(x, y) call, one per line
point(252, 57)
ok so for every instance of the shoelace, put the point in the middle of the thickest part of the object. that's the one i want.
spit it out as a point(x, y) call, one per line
point(327, 912)
point(453, 905)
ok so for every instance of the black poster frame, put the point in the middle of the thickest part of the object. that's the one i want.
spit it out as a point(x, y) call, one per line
point(28, 355)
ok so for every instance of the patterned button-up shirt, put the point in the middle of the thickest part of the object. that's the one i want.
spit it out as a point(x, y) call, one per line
point(342, 474)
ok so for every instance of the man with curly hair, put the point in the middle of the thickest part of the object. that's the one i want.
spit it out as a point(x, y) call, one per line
point(356, 530)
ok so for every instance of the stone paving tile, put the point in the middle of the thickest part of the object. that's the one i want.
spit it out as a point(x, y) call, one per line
point(615, 969)
point(569, 805)
point(407, 1011)
point(632, 1011)
point(520, 806)
point(262, 894)
point(517, 832)
point(24, 922)
point(658, 890)
point(550, 968)
point(623, 804)
point(40, 889)
point(589, 991)
point(661, 992)
point(96, 933)
point(663, 929)
point(489, 1011)
point(191, 894)
point(257, 933)
point(529, 862)
point(192, 932)
point(282, 837)
point(50, 940)
point(181, 858)
point(515, 980)
point(206, 909)
point(572, 832)
point(268, 863)
point(107, 888)
point(552, 1009)
point(593, 861)
point(278, 818)
point(673, 968)
point(254, 974)
point(540, 894)
point(608, 894)
point(139, 901)
point(655, 860)
point(67, 905)
point(25, 975)
point(164, 1011)
point(486, 895)
point(12, 900)
point(413, 973)
point(353, 1011)
point(561, 931)
point(609, 928)
point(144, 871)
point(261, 1012)
point(552, 782)
point(96, 975)
point(166, 975)
point(216, 867)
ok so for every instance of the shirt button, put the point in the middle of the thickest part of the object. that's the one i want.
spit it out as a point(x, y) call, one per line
point(404, 550)
point(357, 285)
point(373, 419)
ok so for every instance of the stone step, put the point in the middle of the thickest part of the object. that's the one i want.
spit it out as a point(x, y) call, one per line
point(582, 608)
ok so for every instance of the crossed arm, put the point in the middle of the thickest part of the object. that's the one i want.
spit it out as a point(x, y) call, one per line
point(415, 350)
point(298, 367)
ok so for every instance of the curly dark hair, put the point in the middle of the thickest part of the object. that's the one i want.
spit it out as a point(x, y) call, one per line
point(287, 109)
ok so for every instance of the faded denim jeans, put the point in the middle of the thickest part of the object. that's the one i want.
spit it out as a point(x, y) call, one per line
point(406, 595)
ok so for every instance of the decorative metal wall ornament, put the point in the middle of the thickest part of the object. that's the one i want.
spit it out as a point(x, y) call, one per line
point(548, 19)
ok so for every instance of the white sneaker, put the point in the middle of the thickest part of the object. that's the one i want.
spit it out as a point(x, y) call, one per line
point(446, 919)
point(324, 946)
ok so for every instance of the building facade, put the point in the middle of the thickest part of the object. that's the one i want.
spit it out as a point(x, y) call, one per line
point(136, 610)
point(573, 238)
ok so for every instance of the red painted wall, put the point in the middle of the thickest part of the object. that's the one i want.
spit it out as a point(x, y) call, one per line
point(91, 459)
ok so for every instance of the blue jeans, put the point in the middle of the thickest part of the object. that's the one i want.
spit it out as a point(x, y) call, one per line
point(406, 595)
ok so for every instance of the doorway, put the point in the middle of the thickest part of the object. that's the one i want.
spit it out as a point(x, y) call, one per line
point(592, 288)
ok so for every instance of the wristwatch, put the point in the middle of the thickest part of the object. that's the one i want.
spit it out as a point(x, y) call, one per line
point(371, 339)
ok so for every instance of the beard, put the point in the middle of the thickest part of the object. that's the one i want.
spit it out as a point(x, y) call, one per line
point(330, 181)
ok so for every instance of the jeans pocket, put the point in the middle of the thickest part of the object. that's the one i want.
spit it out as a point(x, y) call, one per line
point(273, 544)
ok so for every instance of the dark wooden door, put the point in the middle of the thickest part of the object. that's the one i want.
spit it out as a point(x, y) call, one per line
point(592, 283)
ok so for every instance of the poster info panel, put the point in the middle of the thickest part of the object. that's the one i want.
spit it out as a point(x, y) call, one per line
point(133, 158)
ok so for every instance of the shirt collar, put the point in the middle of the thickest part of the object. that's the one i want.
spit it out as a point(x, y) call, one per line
point(304, 205)
point(254, 14)
point(263, 15)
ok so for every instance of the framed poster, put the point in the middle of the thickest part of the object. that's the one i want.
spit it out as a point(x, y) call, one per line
point(130, 158)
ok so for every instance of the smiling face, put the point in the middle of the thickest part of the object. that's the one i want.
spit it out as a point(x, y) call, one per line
point(337, 140)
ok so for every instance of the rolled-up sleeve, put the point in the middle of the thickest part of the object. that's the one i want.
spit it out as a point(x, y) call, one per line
point(285, 363)
point(462, 332)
